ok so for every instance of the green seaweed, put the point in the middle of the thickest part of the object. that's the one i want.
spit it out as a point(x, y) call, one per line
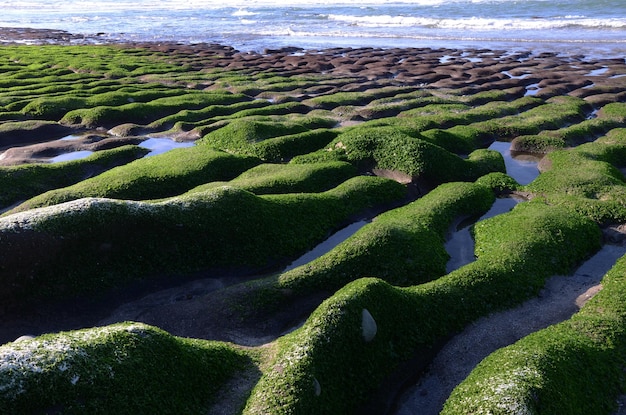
point(516, 252)
point(586, 178)
point(126, 368)
point(115, 242)
point(241, 134)
point(574, 367)
point(155, 177)
point(389, 148)
point(145, 113)
point(269, 178)
point(18, 183)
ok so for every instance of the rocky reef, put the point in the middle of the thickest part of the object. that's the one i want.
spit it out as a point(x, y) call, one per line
point(134, 282)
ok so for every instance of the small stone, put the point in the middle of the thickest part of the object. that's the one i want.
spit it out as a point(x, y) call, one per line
point(317, 387)
point(368, 326)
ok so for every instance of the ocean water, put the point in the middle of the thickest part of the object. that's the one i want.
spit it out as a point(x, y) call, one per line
point(590, 27)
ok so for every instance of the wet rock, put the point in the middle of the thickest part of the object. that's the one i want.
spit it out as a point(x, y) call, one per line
point(368, 326)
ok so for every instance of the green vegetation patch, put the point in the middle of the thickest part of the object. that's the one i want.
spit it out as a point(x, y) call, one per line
point(586, 178)
point(55, 107)
point(499, 183)
point(126, 368)
point(364, 331)
point(113, 242)
point(575, 367)
point(164, 175)
point(479, 126)
point(286, 147)
point(239, 136)
point(404, 246)
point(18, 183)
point(538, 143)
point(391, 149)
point(288, 178)
point(145, 113)
point(353, 98)
point(189, 116)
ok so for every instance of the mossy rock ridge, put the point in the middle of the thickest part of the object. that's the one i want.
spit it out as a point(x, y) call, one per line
point(269, 178)
point(164, 175)
point(328, 366)
point(587, 178)
point(404, 246)
point(389, 148)
point(94, 244)
point(240, 136)
point(126, 368)
point(574, 367)
point(23, 182)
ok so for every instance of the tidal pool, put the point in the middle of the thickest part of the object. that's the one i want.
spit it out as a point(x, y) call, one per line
point(460, 245)
point(161, 145)
point(522, 167)
point(532, 89)
point(74, 155)
point(598, 72)
point(325, 246)
point(560, 299)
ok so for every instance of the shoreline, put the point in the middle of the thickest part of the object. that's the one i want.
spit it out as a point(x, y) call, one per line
point(560, 48)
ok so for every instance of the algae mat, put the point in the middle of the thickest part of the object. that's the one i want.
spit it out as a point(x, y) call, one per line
point(290, 146)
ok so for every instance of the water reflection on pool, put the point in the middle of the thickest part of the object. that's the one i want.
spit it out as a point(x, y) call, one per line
point(161, 145)
point(460, 245)
point(521, 167)
point(74, 155)
point(327, 245)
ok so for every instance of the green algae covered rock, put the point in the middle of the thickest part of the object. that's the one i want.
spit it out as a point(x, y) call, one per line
point(18, 183)
point(574, 367)
point(403, 246)
point(499, 183)
point(516, 252)
point(284, 148)
point(90, 244)
point(390, 149)
point(269, 178)
point(126, 368)
point(587, 178)
point(239, 136)
point(155, 177)
point(145, 113)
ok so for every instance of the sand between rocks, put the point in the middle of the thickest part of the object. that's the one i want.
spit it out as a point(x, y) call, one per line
point(561, 297)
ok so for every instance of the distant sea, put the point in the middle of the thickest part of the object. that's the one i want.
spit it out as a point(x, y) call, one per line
point(587, 27)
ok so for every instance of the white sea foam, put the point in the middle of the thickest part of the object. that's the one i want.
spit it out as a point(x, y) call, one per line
point(478, 23)
point(244, 13)
point(259, 24)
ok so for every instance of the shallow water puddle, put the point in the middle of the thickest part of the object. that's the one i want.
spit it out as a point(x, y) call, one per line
point(510, 75)
point(74, 155)
point(521, 167)
point(532, 89)
point(324, 247)
point(162, 145)
point(598, 72)
point(70, 137)
point(460, 245)
point(560, 298)
point(593, 114)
